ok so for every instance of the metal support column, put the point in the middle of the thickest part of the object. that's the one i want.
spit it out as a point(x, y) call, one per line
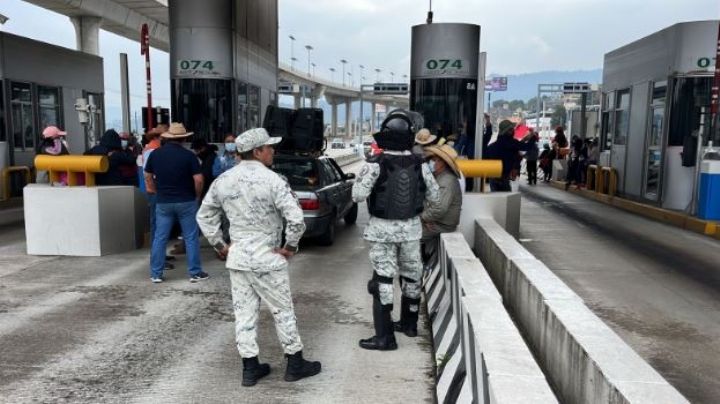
point(87, 34)
point(348, 115)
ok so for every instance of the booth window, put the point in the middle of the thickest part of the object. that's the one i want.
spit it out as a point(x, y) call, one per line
point(622, 115)
point(3, 136)
point(49, 102)
point(253, 117)
point(689, 95)
point(23, 126)
point(207, 103)
point(242, 101)
point(607, 120)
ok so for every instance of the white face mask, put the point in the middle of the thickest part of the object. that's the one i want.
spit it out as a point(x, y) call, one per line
point(431, 165)
point(230, 147)
point(124, 144)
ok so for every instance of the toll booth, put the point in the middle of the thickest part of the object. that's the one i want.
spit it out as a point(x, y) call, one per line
point(223, 63)
point(653, 92)
point(444, 77)
point(39, 86)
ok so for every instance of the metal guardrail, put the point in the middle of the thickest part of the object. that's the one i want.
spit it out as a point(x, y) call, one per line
point(77, 168)
point(481, 355)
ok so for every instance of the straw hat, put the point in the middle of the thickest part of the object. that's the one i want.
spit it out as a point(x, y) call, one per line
point(424, 137)
point(176, 131)
point(447, 154)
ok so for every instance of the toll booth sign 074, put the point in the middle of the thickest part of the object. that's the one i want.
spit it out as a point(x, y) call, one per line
point(441, 67)
point(197, 68)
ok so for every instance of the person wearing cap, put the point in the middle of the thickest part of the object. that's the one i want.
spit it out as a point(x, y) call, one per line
point(173, 174)
point(52, 144)
point(258, 204)
point(443, 217)
point(397, 185)
point(507, 149)
point(423, 139)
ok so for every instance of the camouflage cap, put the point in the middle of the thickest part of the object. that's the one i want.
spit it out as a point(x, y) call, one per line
point(254, 138)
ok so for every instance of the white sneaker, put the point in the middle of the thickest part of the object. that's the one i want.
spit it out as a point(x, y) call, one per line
point(156, 280)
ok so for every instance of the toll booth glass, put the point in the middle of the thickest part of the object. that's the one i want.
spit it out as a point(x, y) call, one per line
point(204, 106)
point(448, 106)
point(23, 127)
point(688, 96)
point(3, 136)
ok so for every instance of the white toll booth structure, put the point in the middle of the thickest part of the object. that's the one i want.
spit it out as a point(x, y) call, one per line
point(654, 92)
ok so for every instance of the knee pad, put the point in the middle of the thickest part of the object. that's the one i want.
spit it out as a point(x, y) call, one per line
point(374, 282)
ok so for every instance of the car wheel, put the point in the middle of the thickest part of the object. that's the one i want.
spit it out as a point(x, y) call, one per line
point(328, 238)
point(351, 216)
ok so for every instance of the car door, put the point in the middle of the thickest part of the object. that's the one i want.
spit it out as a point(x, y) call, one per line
point(331, 184)
point(345, 188)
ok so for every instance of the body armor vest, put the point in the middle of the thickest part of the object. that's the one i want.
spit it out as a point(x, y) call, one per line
point(399, 192)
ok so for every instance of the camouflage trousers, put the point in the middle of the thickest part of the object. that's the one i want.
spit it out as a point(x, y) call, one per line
point(390, 259)
point(273, 288)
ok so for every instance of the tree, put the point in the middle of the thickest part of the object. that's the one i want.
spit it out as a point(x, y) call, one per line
point(517, 104)
point(498, 103)
point(558, 117)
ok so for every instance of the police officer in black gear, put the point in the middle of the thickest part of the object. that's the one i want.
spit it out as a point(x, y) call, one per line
point(396, 184)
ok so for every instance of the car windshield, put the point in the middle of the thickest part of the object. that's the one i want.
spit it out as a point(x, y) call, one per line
point(300, 173)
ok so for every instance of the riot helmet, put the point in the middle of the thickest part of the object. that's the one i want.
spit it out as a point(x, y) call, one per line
point(397, 131)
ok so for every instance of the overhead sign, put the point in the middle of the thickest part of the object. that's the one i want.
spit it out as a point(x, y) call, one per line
point(496, 84)
point(576, 88)
point(197, 68)
point(390, 88)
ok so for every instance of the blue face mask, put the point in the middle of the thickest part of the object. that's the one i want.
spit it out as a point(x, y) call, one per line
point(230, 147)
point(124, 144)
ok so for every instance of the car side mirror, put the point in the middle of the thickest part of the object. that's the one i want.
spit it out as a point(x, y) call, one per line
point(350, 176)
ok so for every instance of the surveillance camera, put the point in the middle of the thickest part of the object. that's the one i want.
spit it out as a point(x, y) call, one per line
point(3, 19)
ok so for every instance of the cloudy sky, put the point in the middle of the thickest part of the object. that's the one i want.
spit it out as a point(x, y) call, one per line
point(520, 36)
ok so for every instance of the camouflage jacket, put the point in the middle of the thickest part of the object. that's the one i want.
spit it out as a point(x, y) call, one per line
point(392, 231)
point(255, 201)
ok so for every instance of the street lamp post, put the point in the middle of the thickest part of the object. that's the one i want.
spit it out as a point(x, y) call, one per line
point(392, 77)
point(377, 75)
point(350, 79)
point(292, 52)
point(361, 73)
point(405, 78)
point(309, 48)
point(332, 74)
point(344, 62)
point(313, 68)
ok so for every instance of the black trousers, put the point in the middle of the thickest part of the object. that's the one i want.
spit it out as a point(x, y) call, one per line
point(532, 171)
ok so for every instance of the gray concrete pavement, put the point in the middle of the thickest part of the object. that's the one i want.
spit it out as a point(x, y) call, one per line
point(656, 285)
point(96, 330)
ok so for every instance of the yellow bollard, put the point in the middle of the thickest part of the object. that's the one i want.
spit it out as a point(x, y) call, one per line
point(480, 168)
point(6, 179)
point(591, 178)
point(73, 165)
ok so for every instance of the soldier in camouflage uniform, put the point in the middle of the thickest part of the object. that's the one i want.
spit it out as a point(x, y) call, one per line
point(396, 184)
point(256, 200)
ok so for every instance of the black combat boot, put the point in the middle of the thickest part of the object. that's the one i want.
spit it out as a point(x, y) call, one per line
point(384, 339)
point(253, 371)
point(408, 319)
point(299, 368)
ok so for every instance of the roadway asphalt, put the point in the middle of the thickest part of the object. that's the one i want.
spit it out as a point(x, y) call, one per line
point(656, 285)
point(96, 330)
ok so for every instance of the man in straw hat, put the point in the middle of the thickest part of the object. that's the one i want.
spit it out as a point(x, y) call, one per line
point(173, 174)
point(258, 203)
point(423, 139)
point(445, 216)
point(396, 184)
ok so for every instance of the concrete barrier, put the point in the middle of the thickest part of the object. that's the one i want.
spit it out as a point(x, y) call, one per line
point(584, 359)
point(481, 355)
point(80, 221)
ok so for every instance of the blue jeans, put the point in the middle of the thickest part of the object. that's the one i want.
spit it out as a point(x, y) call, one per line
point(152, 203)
point(165, 215)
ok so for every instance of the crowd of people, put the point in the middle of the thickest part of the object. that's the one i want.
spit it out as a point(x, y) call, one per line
point(253, 220)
